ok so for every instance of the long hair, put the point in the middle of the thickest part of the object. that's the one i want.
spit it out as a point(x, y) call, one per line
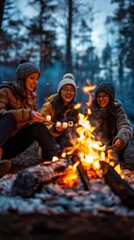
point(20, 87)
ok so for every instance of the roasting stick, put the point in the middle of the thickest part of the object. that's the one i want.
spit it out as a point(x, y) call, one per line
point(110, 147)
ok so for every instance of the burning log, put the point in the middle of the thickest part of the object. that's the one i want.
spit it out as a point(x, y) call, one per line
point(70, 178)
point(31, 180)
point(84, 177)
point(118, 185)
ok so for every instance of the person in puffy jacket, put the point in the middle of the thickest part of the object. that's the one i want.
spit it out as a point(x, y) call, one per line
point(112, 125)
point(20, 122)
point(61, 108)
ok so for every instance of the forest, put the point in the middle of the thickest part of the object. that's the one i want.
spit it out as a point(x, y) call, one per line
point(59, 40)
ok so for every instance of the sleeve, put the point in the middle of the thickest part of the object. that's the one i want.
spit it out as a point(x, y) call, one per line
point(48, 109)
point(21, 114)
point(124, 127)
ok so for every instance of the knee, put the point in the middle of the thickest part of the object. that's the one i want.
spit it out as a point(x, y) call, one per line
point(39, 128)
point(40, 125)
point(10, 118)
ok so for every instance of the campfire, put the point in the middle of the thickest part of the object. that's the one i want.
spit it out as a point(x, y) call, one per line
point(86, 159)
point(89, 153)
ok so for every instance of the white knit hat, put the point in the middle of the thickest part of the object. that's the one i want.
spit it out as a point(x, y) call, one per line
point(68, 78)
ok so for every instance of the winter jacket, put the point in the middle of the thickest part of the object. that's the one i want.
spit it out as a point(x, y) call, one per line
point(58, 112)
point(111, 123)
point(12, 101)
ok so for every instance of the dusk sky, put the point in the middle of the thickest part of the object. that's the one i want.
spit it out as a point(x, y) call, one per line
point(102, 9)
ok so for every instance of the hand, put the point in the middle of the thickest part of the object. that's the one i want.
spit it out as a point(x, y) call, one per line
point(118, 143)
point(37, 117)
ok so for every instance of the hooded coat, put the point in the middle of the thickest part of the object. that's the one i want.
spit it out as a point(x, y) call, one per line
point(111, 123)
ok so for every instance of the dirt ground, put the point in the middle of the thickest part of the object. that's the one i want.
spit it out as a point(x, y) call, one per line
point(83, 226)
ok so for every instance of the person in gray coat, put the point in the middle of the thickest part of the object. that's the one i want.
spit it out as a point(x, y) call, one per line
point(112, 125)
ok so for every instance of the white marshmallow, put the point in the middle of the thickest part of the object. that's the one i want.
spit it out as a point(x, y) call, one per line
point(58, 124)
point(48, 118)
point(64, 125)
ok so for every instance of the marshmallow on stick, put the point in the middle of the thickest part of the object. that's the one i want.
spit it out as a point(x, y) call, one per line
point(64, 125)
point(48, 118)
point(70, 124)
point(58, 124)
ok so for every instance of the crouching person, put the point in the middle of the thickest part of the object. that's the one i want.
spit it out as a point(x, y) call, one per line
point(20, 122)
point(112, 125)
point(64, 116)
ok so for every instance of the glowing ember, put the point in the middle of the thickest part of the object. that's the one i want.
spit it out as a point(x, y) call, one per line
point(77, 106)
point(70, 178)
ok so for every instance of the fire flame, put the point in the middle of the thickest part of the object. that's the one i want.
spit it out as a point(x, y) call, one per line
point(89, 151)
point(70, 178)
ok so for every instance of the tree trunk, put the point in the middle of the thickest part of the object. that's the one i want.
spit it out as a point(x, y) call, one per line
point(69, 37)
point(2, 4)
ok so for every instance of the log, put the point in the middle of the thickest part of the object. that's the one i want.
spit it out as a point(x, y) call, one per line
point(118, 185)
point(31, 180)
point(84, 177)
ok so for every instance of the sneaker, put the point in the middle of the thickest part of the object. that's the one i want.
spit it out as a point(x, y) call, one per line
point(5, 166)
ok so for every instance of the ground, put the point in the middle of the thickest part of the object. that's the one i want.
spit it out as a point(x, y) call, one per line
point(70, 226)
point(82, 226)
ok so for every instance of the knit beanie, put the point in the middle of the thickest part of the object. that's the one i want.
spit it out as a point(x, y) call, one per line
point(68, 78)
point(25, 69)
point(106, 87)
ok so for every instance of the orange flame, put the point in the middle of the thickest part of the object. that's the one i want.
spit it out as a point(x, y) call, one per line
point(88, 149)
point(70, 179)
point(77, 106)
point(87, 90)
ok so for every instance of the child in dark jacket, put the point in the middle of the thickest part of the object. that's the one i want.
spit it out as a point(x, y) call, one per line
point(111, 123)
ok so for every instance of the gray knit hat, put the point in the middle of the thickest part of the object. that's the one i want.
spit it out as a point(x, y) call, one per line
point(25, 69)
point(106, 87)
point(68, 78)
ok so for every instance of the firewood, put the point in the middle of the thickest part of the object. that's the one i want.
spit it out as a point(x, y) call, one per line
point(84, 177)
point(118, 185)
point(30, 180)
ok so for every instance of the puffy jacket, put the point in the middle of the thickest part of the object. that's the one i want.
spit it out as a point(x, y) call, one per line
point(111, 123)
point(11, 101)
point(58, 112)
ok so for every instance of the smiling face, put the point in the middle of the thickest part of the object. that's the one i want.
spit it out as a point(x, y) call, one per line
point(103, 99)
point(32, 81)
point(67, 93)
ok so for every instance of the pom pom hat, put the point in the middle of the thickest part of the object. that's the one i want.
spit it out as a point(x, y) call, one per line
point(106, 87)
point(68, 78)
point(25, 69)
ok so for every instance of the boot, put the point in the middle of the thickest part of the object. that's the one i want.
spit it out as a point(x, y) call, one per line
point(5, 165)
